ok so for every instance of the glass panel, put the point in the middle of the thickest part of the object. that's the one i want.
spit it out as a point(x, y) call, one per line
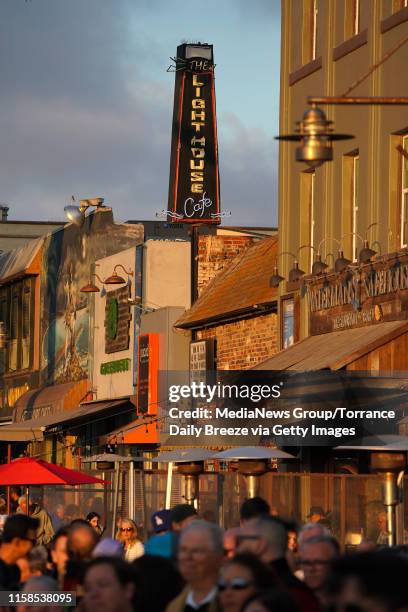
point(288, 323)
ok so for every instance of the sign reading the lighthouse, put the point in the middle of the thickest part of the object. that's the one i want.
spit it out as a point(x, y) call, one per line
point(194, 178)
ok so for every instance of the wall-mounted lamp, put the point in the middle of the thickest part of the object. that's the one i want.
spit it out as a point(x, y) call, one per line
point(90, 287)
point(366, 253)
point(276, 278)
point(320, 266)
point(295, 273)
point(115, 279)
point(76, 214)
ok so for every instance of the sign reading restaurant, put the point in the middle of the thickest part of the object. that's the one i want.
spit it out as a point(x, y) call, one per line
point(359, 296)
point(194, 178)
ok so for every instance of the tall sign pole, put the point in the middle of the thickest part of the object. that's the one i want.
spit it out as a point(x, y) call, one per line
point(194, 193)
point(194, 186)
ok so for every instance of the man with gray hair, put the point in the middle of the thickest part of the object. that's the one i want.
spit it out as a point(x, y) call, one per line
point(312, 530)
point(200, 555)
point(316, 556)
point(266, 537)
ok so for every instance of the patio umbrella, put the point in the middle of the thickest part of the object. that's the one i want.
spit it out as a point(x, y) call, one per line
point(29, 471)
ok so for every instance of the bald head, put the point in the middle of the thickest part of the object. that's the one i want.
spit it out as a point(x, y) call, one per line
point(82, 539)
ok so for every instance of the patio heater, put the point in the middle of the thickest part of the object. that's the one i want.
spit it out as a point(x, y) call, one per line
point(190, 464)
point(252, 463)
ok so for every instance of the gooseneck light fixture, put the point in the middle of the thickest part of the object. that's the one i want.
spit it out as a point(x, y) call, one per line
point(315, 136)
point(90, 287)
point(114, 279)
point(320, 266)
point(76, 214)
point(295, 273)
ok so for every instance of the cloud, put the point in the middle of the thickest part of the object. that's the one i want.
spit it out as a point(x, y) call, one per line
point(248, 165)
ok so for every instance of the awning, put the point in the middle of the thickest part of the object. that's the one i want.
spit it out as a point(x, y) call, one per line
point(140, 431)
point(334, 350)
point(20, 261)
point(47, 401)
point(14, 433)
point(31, 429)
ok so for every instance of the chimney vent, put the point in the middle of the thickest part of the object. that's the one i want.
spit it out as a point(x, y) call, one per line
point(3, 213)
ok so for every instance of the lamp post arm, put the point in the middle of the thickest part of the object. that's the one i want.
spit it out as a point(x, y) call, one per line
point(357, 101)
point(128, 272)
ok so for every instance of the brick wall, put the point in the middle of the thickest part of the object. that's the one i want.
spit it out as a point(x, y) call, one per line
point(245, 343)
point(215, 252)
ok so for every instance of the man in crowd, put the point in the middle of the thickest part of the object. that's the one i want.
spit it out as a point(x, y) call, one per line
point(316, 557)
point(165, 544)
point(200, 556)
point(45, 531)
point(253, 507)
point(266, 537)
point(17, 540)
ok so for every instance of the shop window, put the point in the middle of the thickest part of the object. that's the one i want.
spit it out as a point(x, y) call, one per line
point(351, 18)
point(404, 192)
point(309, 46)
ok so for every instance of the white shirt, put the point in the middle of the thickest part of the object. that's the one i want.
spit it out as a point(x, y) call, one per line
point(207, 599)
point(134, 552)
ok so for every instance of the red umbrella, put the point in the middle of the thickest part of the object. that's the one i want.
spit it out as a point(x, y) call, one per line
point(28, 471)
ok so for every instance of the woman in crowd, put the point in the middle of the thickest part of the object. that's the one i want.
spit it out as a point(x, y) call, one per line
point(108, 586)
point(241, 577)
point(94, 520)
point(127, 534)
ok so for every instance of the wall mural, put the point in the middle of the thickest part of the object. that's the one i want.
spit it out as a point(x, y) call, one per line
point(68, 258)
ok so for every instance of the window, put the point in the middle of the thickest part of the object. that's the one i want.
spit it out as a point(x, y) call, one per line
point(288, 323)
point(397, 5)
point(404, 193)
point(355, 181)
point(307, 218)
point(16, 310)
point(311, 218)
point(26, 326)
point(309, 31)
point(350, 203)
point(351, 18)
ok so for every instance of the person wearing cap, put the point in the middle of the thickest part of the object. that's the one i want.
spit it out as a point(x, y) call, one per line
point(317, 515)
point(167, 525)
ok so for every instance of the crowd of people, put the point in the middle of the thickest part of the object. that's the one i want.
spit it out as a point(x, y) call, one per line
point(188, 563)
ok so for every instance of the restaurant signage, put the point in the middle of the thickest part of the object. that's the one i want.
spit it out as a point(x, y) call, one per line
point(112, 367)
point(148, 369)
point(194, 177)
point(361, 296)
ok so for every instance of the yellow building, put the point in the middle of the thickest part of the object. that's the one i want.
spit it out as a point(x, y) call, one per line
point(327, 46)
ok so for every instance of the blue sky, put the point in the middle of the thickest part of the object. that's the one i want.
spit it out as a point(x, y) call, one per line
point(86, 103)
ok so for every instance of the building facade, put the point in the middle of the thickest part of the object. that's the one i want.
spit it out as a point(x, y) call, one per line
point(363, 193)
